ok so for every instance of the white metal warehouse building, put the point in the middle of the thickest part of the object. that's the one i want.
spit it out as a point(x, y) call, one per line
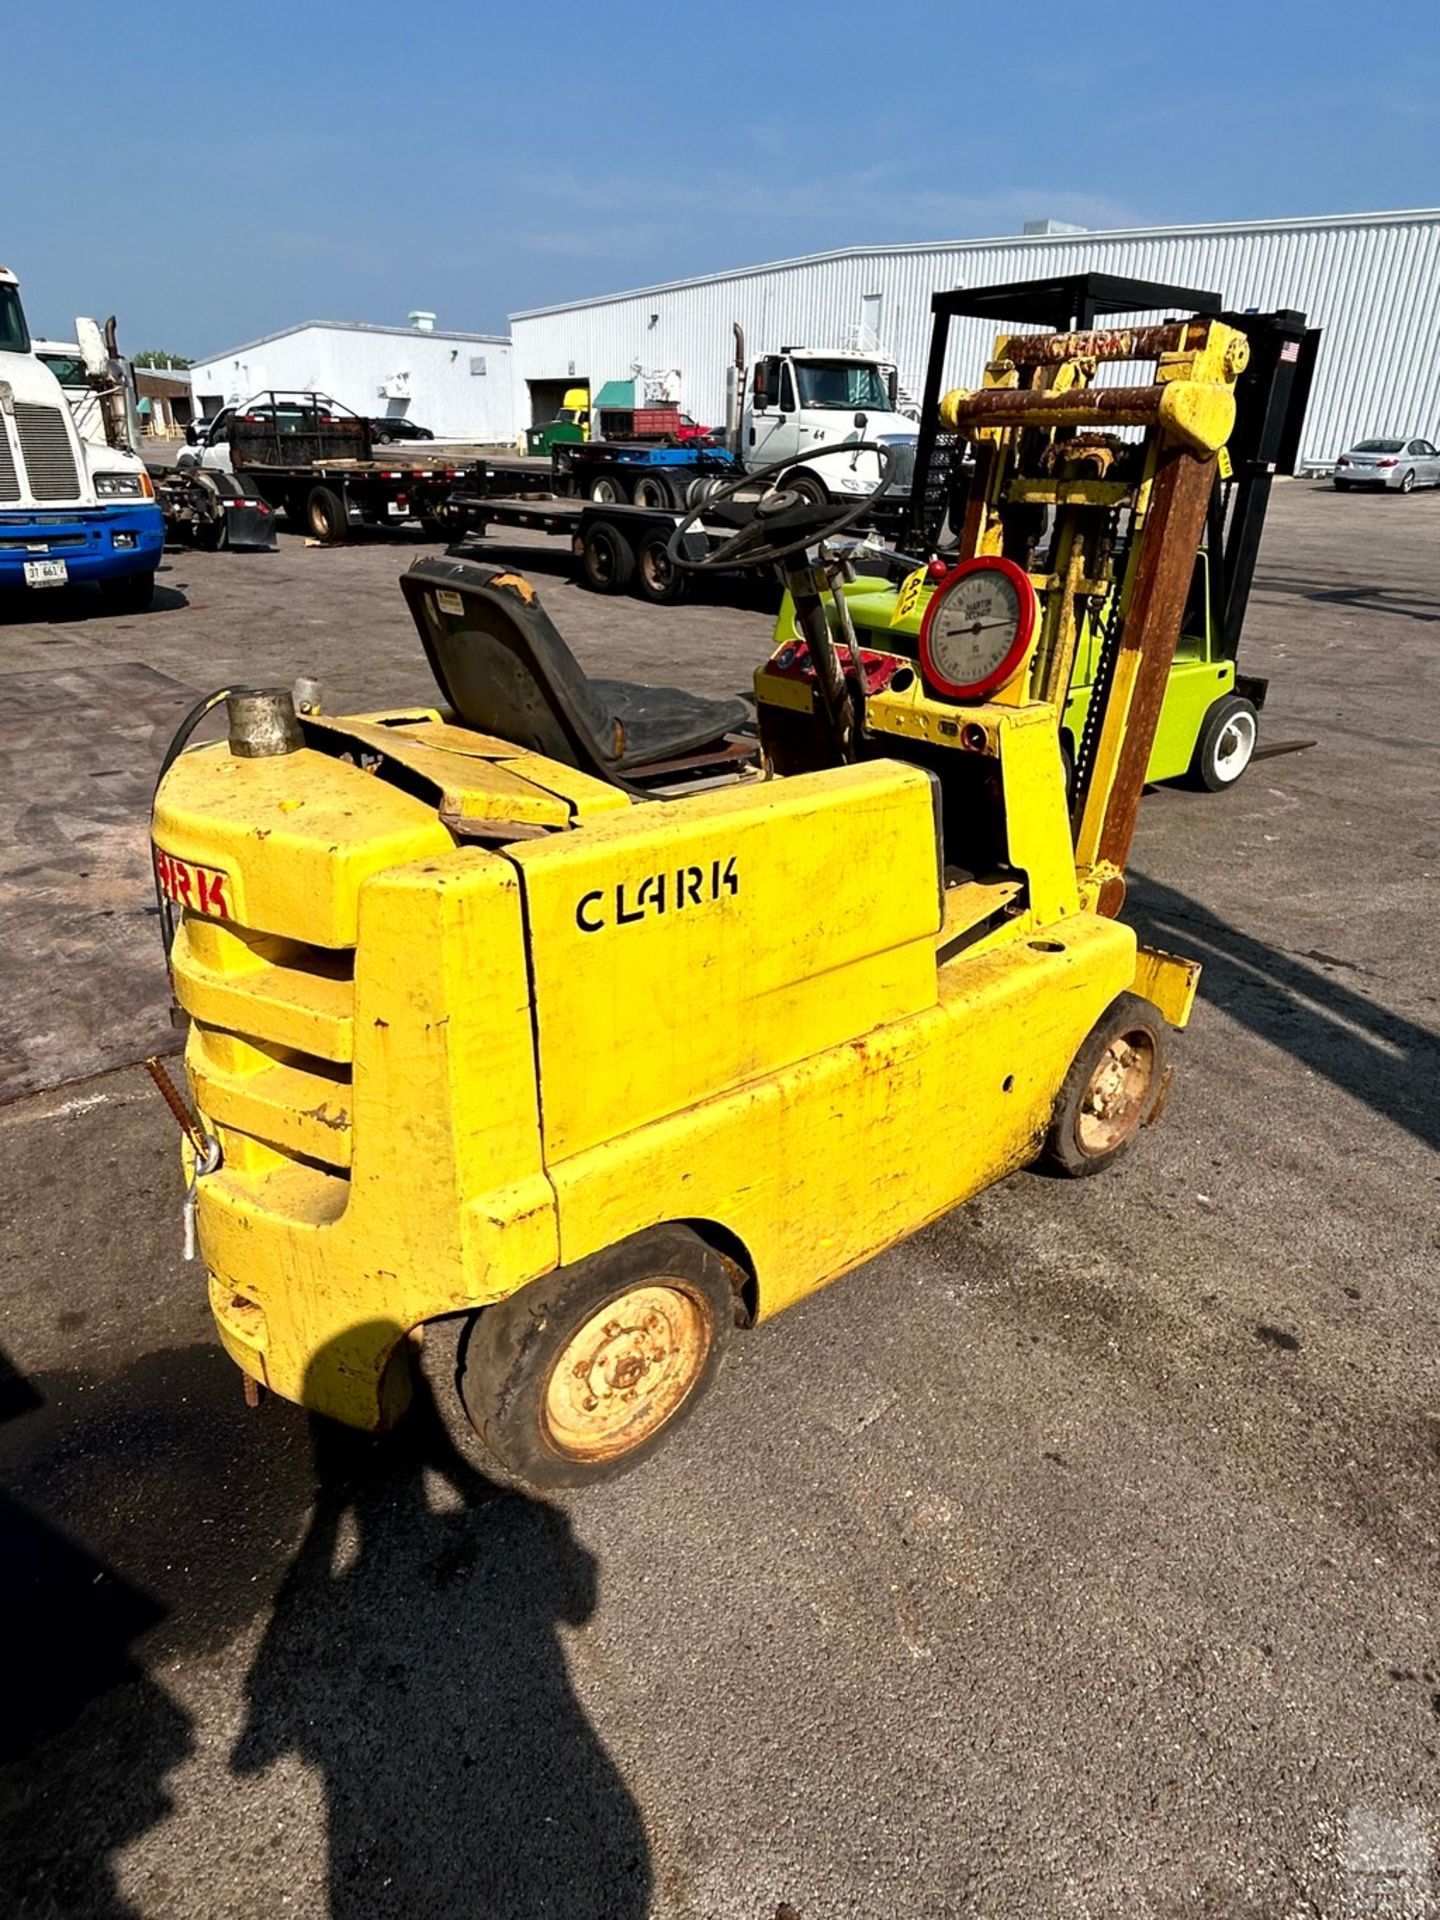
point(1370, 281)
point(456, 384)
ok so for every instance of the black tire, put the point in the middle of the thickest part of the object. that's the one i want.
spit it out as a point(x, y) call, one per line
point(434, 527)
point(657, 578)
point(652, 490)
point(809, 486)
point(130, 594)
point(325, 516)
point(1341, 486)
point(607, 560)
point(1083, 1137)
point(606, 490)
point(1407, 482)
point(520, 1360)
point(1226, 743)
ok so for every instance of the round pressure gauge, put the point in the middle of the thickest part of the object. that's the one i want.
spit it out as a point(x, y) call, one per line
point(977, 628)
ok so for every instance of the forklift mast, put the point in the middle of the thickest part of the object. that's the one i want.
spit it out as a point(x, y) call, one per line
point(1129, 474)
point(1270, 399)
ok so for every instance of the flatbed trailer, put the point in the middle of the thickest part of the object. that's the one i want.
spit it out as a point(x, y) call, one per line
point(330, 498)
point(616, 548)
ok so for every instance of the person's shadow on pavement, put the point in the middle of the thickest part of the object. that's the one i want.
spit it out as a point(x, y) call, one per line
point(413, 1659)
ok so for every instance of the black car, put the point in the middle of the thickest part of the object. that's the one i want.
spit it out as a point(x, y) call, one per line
point(382, 432)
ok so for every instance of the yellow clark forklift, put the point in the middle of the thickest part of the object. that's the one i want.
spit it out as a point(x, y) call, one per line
point(612, 1021)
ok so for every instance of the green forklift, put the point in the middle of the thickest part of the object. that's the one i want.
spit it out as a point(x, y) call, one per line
point(1209, 726)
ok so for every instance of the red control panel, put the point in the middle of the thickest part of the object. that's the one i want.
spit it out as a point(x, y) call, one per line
point(793, 662)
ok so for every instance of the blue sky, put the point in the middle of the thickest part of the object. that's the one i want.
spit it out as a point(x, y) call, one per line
point(213, 172)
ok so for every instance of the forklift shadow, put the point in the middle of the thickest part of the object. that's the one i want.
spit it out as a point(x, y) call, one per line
point(1378, 1057)
point(413, 1658)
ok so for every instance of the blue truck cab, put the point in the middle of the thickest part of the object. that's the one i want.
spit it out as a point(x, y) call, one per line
point(71, 511)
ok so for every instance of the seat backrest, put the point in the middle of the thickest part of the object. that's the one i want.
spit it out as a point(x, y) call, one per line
point(502, 665)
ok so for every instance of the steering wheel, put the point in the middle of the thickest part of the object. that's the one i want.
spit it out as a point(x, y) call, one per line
point(782, 516)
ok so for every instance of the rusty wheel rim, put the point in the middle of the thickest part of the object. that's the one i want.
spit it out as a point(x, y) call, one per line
point(626, 1372)
point(1119, 1093)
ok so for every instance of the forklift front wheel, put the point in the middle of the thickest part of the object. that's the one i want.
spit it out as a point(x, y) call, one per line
point(1111, 1090)
point(1226, 744)
point(577, 1377)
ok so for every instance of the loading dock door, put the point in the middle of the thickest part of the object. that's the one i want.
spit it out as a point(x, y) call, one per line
point(548, 396)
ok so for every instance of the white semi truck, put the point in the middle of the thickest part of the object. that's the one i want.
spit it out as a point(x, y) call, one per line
point(72, 510)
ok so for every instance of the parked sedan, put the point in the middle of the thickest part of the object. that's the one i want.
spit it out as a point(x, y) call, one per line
point(1401, 465)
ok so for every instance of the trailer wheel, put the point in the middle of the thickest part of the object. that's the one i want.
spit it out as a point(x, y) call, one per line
point(606, 560)
point(326, 516)
point(607, 491)
point(657, 578)
point(651, 491)
point(1112, 1089)
point(577, 1377)
point(1226, 744)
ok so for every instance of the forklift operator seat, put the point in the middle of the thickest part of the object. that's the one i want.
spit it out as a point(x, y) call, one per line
point(503, 667)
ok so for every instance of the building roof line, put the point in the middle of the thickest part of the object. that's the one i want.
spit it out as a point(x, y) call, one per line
point(1028, 240)
point(356, 326)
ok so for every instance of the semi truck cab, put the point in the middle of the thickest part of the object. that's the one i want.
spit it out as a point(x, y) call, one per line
point(804, 398)
point(71, 510)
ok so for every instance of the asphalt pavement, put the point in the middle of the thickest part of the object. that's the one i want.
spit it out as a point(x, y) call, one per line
point(1076, 1558)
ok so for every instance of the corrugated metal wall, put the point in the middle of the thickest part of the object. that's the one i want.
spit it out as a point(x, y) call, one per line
point(1371, 281)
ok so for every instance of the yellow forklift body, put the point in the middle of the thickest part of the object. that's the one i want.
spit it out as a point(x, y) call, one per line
point(476, 1064)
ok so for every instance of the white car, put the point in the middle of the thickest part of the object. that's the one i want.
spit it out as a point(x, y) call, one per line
point(1400, 465)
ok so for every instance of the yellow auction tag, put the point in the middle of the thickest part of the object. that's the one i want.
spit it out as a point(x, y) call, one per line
point(909, 595)
point(1226, 469)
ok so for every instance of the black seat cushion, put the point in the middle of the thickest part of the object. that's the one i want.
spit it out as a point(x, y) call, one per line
point(501, 664)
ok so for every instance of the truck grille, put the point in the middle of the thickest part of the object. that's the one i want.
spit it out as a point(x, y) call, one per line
point(45, 446)
point(9, 483)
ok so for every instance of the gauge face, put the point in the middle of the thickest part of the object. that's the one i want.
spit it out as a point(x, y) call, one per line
point(977, 628)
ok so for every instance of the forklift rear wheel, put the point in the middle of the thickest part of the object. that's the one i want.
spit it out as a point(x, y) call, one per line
point(1226, 744)
point(607, 492)
point(607, 561)
point(651, 491)
point(1111, 1090)
point(578, 1376)
point(657, 577)
point(325, 512)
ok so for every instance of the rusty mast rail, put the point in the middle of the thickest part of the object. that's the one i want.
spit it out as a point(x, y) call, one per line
point(1102, 343)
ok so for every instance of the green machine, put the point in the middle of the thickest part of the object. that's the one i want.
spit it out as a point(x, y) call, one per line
point(1209, 724)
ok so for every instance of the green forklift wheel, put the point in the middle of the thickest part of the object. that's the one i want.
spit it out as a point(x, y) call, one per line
point(577, 1377)
point(1112, 1089)
point(1226, 744)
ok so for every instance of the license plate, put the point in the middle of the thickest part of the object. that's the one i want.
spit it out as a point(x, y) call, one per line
point(202, 889)
point(46, 573)
point(393, 506)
